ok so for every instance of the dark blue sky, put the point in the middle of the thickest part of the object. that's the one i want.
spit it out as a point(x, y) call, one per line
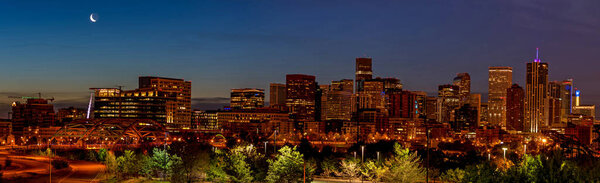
point(52, 47)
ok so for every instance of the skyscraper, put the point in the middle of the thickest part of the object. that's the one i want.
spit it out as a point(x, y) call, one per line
point(247, 98)
point(463, 81)
point(343, 85)
point(448, 102)
point(372, 95)
point(500, 79)
point(474, 100)
point(364, 71)
point(514, 108)
point(554, 102)
point(536, 95)
point(566, 96)
point(339, 101)
point(300, 98)
point(277, 94)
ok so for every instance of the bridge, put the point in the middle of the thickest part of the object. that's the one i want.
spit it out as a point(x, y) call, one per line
point(109, 132)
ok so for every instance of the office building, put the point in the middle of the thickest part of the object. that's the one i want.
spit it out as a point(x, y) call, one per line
point(364, 71)
point(165, 100)
point(277, 94)
point(339, 101)
point(463, 81)
point(554, 103)
point(69, 114)
point(566, 102)
point(179, 111)
point(515, 108)
point(205, 120)
point(300, 99)
point(536, 96)
point(35, 112)
point(448, 101)
point(586, 110)
point(247, 98)
point(500, 79)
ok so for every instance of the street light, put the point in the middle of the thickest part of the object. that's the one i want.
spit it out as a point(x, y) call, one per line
point(504, 148)
point(266, 146)
point(362, 154)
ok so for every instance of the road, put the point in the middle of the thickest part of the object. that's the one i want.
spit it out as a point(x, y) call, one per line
point(35, 169)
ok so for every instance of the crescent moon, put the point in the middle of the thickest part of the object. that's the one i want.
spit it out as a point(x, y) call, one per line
point(92, 18)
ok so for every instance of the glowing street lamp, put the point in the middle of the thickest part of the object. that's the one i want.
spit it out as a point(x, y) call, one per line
point(504, 148)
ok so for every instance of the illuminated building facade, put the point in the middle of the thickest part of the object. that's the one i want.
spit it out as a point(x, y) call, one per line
point(554, 103)
point(247, 98)
point(36, 112)
point(401, 104)
point(463, 81)
point(587, 110)
point(277, 94)
point(301, 98)
point(448, 102)
point(136, 104)
point(474, 100)
point(364, 71)
point(431, 108)
point(536, 96)
point(66, 115)
point(339, 101)
point(205, 120)
point(372, 95)
point(179, 112)
point(515, 108)
point(420, 104)
point(566, 102)
point(500, 79)
point(164, 100)
point(260, 121)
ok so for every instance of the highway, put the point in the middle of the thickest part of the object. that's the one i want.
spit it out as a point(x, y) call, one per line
point(35, 169)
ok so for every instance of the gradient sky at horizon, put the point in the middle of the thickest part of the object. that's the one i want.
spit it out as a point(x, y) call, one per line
point(53, 48)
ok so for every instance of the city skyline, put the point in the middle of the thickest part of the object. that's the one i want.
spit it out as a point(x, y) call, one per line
point(166, 43)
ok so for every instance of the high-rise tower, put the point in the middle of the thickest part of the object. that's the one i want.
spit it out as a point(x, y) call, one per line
point(536, 95)
point(500, 79)
point(364, 72)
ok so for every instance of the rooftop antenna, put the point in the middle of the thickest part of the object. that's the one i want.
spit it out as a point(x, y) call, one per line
point(537, 55)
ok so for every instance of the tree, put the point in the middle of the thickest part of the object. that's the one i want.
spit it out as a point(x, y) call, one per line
point(453, 175)
point(404, 166)
point(111, 163)
point(163, 162)
point(329, 165)
point(127, 164)
point(485, 172)
point(288, 166)
point(373, 171)
point(351, 168)
point(241, 171)
point(218, 164)
point(194, 164)
point(102, 155)
point(231, 166)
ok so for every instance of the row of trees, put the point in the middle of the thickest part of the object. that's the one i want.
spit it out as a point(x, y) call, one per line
point(401, 166)
point(159, 164)
point(551, 167)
